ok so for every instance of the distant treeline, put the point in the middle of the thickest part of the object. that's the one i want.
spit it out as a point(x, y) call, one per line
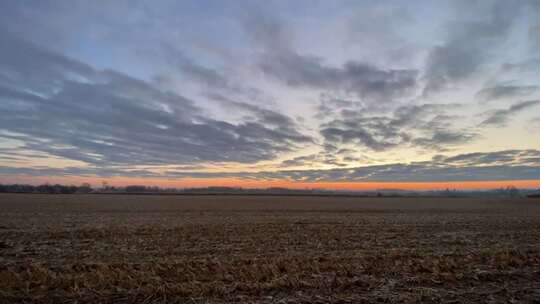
point(46, 188)
point(509, 191)
point(139, 189)
point(84, 188)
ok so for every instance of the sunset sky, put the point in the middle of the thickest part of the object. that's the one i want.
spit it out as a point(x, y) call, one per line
point(317, 94)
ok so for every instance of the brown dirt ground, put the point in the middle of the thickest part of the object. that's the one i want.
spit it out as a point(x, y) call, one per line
point(242, 249)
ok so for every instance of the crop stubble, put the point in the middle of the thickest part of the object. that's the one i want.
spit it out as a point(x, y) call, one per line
point(254, 249)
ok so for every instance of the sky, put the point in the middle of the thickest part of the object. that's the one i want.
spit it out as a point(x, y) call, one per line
point(307, 94)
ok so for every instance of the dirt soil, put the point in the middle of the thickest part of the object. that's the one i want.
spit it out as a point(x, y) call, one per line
point(253, 249)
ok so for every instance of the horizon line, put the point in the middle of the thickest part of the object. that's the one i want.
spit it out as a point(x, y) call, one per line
point(95, 183)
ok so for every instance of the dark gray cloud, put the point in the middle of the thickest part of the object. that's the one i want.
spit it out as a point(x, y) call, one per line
point(300, 160)
point(485, 166)
point(506, 157)
point(469, 43)
point(534, 34)
point(279, 60)
point(337, 159)
point(364, 80)
point(534, 28)
point(68, 109)
point(328, 107)
point(213, 83)
point(267, 31)
point(329, 156)
point(208, 76)
point(531, 65)
point(258, 114)
point(377, 139)
point(504, 92)
point(424, 126)
point(499, 118)
point(442, 139)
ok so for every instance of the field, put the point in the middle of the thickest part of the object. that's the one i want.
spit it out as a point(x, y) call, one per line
point(254, 249)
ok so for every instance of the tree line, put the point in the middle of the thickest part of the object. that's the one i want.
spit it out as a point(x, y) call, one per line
point(46, 188)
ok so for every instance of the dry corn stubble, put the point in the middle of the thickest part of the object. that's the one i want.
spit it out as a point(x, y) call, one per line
point(125, 249)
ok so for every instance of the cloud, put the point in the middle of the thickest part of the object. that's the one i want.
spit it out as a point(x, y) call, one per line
point(469, 44)
point(504, 92)
point(506, 157)
point(531, 65)
point(267, 31)
point(337, 159)
point(424, 126)
point(181, 86)
point(481, 166)
point(264, 116)
point(442, 139)
point(484, 166)
point(279, 60)
point(533, 125)
point(377, 29)
point(208, 76)
point(499, 118)
point(330, 107)
point(534, 32)
point(364, 80)
point(340, 158)
point(68, 109)
point(300, 160)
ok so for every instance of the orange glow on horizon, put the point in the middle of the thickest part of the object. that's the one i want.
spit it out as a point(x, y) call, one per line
point(235, 182)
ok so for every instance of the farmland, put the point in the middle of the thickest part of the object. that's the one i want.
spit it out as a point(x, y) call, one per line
point(255, 249)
